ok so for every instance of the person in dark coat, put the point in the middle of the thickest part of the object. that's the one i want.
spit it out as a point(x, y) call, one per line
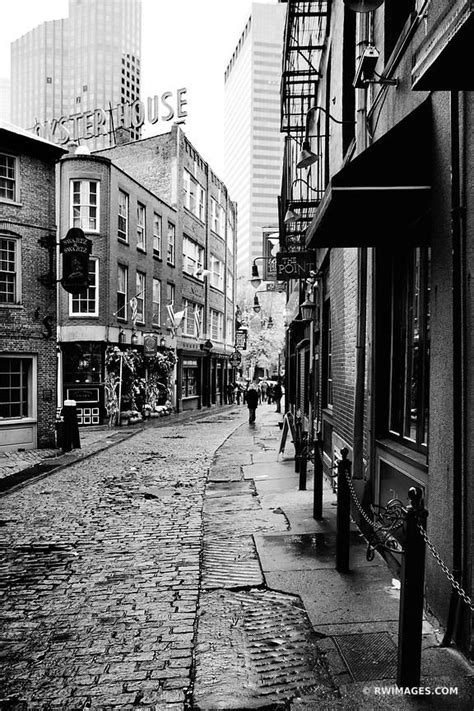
point(252, 402)
point(277, 393)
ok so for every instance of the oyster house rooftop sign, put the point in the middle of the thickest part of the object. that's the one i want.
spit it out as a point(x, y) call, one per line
point(102, 122)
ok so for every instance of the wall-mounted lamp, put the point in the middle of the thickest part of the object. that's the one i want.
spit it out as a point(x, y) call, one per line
point(121, 336)
point(307, 157)
point(270, 322)
point(255, 280)
point(162, 342)
point(134, 338)
point(256, 304)
point(290, 215)
point(363, 5)
point(47, 327)
point(307, 310)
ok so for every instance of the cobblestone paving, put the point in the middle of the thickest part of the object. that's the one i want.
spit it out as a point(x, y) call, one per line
point(99, 575)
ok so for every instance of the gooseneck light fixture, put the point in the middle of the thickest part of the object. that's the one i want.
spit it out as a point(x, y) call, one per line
point(290, 215)
point(307, 156)
point(255, 279)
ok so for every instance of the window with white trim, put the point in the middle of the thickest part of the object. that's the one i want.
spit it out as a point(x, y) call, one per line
point(84, 211)
point(194, 195)
point(171, 246)
point(170, 293)
point(122, 230)
point(217, 217)
point(87, 302)
point(217, 273)
point(10, 270)
point(156, 318)
point(193, 256)
point(8, 177)
point(141, 236)
point(140, 296)
point(217, 325)
point(122, 291)
point(157, 235)
point(16, 394)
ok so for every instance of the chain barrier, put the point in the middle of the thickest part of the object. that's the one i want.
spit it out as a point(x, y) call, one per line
point(395, 511)
point(469, 602)
point(382, 536)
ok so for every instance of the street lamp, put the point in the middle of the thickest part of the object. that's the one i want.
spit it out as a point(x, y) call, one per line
point(290, 215)
point(134, 338)
point(307, 309)
point(256, 304)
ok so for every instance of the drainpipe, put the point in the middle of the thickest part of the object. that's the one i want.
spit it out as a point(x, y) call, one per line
point(359, 389)
point(457, 618)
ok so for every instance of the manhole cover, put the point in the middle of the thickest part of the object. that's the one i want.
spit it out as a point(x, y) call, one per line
point(368, 656)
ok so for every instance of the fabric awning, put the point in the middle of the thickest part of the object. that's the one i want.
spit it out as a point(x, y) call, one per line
point(382, 193)
point(441, 61)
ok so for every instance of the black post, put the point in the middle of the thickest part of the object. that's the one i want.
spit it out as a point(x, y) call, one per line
point(71, 438)
point(318, 480)
point(303, 460)
point(411, 593)
point(343, 513)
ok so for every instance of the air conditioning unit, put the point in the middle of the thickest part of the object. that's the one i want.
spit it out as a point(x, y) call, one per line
point(366, 67)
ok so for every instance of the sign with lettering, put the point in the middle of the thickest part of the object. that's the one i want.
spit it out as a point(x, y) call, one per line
point(241, 339)
point(75, 248)
point(103, 122)
point(295, 265)
point(235, 358)
point(150, 346)
point(271, 242)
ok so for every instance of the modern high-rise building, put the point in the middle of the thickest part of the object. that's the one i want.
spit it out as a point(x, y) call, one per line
point(87, 62)
point(253, 145)
point(5, 113)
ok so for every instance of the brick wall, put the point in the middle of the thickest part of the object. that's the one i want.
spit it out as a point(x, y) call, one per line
point(22, 327)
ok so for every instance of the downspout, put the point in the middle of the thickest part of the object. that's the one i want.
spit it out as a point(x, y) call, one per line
point(359, 388)
point(457, 617)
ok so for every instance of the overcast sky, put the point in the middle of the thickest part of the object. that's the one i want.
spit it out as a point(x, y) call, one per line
point(185, 43)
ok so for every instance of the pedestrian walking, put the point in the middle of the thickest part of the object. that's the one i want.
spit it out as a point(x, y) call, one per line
point(230, 393)
point(264, 387)
point(252, 402)
point(270, 393)
point(237, 393)
point(277, 393)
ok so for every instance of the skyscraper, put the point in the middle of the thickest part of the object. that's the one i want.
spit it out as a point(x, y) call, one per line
point(253, 145)
point(87, 61)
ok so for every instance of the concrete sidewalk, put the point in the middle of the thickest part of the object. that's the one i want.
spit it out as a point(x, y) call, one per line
point(354, 615)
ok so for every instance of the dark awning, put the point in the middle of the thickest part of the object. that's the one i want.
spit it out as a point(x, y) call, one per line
point(441, 62)
point(379, 196)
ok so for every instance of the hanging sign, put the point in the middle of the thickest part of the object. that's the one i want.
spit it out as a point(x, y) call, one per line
point(150, 346)
point(241, 339)
point(295, 265)
point(75, 249)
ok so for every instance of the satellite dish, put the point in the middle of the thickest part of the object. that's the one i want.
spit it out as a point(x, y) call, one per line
point(363, 5)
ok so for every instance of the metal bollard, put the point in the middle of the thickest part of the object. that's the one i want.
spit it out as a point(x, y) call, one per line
point(303, 461)
point(411, 592)
point(318, 480)
point(343, 513)
point(71, 438)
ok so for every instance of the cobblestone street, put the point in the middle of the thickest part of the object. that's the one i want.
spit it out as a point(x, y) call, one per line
point(100, 574)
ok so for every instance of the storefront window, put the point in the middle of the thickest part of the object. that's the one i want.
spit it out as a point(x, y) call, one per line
point(190, 378)
point(82, 362)
point(410, 345)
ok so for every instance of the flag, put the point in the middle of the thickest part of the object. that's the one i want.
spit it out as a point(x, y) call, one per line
point(134, 307)
point(197, 323)
point(178, 317)
point(170, 311)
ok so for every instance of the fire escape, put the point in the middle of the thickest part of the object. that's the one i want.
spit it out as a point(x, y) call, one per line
point(306, 30)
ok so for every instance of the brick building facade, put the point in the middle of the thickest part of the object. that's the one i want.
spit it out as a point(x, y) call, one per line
point(27, 289)
point(129, 229)
point(206, 230)
point(382, 134)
